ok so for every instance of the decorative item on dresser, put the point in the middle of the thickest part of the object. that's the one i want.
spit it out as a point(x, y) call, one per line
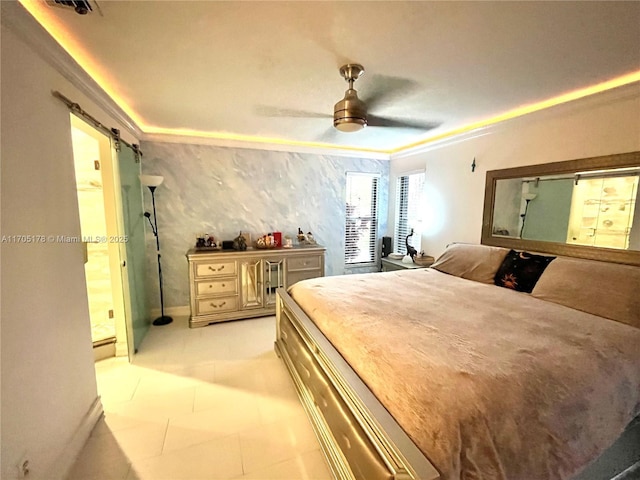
point(230, 285)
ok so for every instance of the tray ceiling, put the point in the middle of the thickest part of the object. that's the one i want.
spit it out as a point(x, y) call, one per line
point(268, 71)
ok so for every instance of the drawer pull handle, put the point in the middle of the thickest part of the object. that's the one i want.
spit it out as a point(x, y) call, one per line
point(218, 306)
point(216, 269)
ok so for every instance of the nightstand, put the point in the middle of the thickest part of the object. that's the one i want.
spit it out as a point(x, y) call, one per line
point(389, 264)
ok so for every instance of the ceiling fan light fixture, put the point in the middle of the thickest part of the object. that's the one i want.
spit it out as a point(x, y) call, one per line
point(350, 113)
point(349, 125)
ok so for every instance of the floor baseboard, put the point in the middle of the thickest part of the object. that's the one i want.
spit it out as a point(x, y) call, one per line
point(171, 311)
point(62, 466)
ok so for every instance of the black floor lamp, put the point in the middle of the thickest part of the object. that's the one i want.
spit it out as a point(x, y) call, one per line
point(153, 181)
point(527, 198)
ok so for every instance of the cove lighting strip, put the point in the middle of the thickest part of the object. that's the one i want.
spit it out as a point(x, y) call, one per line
point(534, 107)
point(44, 16)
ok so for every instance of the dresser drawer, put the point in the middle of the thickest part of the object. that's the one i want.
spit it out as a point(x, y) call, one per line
point(294, 277)
point(217, 305)
point(222, 286)
point(304, 263)
point(209, 269)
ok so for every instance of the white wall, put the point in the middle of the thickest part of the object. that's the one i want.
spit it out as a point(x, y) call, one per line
point(603, 124)
point(49, 396)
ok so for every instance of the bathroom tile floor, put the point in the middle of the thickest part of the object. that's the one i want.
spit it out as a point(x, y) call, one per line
point(205, 403)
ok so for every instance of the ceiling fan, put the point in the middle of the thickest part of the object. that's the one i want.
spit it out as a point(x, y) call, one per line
point(351, 114)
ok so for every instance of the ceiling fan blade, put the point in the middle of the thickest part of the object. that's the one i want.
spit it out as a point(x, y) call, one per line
point(330, 135)
point(386, 89)
point(374, 121)
point(268, 111)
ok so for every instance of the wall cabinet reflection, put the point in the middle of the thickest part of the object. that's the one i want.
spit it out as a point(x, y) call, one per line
point(603, 211)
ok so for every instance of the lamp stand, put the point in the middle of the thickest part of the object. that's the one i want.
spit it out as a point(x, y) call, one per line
point(162, 319)
point(524, 216)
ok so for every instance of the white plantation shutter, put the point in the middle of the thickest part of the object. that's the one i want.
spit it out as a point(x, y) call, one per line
point(361, 219)
point(409, 209)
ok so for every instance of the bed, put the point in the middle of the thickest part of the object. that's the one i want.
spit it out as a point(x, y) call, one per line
point(439, 373)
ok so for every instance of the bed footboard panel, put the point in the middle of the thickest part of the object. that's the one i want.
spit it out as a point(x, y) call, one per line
point(358, 436)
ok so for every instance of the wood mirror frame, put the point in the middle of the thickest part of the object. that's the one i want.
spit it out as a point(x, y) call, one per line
point(623, 160)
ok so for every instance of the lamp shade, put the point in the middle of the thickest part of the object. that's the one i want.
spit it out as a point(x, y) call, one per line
point(151, 180)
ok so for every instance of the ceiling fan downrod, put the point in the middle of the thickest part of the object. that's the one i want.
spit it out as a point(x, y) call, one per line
point(350, 113)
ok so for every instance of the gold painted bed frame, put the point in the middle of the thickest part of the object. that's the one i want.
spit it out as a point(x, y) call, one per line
point(358, 436)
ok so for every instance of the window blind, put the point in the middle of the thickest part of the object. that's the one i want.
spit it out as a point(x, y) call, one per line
point(361, 219)
point(409, 211)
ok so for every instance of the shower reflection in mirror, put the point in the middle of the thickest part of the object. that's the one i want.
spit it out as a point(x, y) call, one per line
point(596, 208)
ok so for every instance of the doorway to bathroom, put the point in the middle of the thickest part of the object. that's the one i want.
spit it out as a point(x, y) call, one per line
point(95, 186)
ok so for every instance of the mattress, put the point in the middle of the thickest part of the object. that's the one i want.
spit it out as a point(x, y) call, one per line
point(487, 382)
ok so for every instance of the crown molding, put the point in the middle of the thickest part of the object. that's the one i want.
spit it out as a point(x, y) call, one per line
point(445, 142)
point(334, 151)
point(14, 16)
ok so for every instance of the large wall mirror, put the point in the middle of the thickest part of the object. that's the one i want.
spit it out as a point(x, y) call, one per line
point(585, 208)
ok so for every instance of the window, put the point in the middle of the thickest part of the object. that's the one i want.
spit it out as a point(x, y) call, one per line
point(409, 211)
point(361, 228)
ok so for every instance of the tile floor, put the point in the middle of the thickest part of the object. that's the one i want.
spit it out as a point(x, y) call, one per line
point(205, 403)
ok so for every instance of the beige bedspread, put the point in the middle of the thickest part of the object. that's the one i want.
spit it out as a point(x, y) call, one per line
point(489, 383)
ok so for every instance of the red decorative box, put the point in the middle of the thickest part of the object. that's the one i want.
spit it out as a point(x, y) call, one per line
point(277, 237)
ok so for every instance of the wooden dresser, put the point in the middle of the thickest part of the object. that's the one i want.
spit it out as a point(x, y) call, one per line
point(229, 285)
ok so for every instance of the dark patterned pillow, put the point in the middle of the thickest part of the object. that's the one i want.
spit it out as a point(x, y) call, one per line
point(521, 270)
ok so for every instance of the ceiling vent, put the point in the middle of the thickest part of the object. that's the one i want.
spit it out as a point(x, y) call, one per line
point(81, 7)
